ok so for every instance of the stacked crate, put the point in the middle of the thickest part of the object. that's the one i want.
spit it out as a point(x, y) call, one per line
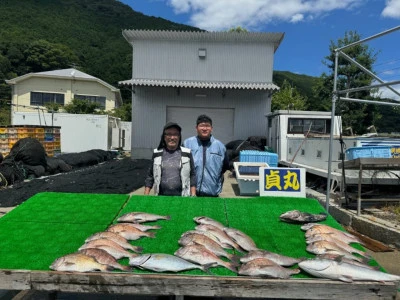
point(48, 136)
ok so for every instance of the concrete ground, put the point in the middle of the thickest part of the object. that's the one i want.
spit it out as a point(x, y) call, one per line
point(388, 260)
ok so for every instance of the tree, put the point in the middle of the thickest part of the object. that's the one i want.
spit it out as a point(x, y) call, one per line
point(355, 115)
point(237, 29)
point(81, 107)
point(288, 98)
point(124, 112)
point(44, 56)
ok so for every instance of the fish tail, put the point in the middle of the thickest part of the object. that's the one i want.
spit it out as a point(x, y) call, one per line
point(125, 268)
point(151, 235)
point(206, 268)
point(295, 271)
point(235, 259)
point(167, 217)
point(108, 268)
point(137, 249)
point(155, 227)
point(230, 266)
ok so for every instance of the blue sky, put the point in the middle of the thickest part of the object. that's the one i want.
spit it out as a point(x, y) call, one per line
point(309, 26)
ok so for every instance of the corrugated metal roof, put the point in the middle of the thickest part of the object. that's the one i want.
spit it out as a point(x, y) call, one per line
point(255, 37)
point(201, 84)
point(67, 73)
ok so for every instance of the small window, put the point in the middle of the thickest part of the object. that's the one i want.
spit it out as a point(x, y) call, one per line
point(300, 125)
point(319, 154)
point(303, 152)
point(290, 150)
point(202, 53)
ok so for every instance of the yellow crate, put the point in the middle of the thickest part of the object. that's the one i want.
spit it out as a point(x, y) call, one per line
point(12, 140)
point(4, 141)
point(5, 153)
point(57, 145)
point(3, 130)
point(39, 130)
point(23, 135)
point(11, 144)
point(22, 130)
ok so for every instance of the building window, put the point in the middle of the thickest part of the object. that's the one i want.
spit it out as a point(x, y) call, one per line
point(38, 98)
point(298, 125)
point(96, 99)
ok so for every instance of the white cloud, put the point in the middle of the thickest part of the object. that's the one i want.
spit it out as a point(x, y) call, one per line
point(392, 9)
point(215, 15)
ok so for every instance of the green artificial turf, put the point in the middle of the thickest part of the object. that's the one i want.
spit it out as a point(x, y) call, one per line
point(50, 225)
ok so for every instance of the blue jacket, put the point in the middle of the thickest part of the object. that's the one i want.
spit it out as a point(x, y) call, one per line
point(209, 173)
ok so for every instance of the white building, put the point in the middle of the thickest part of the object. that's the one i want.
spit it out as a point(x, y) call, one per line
point(177, 76)
point(31, 91)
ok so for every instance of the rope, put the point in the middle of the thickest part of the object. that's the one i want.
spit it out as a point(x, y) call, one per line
point(3, 182)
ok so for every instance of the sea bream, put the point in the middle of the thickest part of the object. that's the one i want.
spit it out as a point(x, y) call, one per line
point(264, 267)
point(78, 262)
point(111, 247)
point(299, 217)
point(221, 235)
point(115, 237)
point(281, 260)
point(129, 232)
point(210, 244)
point(322, 247)
point(208, 221)
point(338, 234)
point(104, 258)
point(141, 217)
point(160, 262)
point(243, 240)
point(199, 254)
point(332, 269)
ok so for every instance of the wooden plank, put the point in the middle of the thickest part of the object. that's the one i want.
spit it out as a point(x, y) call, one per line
point(209, 286)
point(15, 280)
point(371, 244)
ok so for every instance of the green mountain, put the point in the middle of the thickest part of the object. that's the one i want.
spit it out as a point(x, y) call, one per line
point(42, 35)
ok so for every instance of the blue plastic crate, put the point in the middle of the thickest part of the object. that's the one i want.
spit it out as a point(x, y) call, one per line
point(369, 152)
point(259, 156)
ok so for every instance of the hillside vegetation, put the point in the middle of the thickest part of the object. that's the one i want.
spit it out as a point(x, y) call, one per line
point(43, 35)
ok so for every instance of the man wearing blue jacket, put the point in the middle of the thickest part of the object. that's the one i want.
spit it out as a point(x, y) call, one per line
point(210, 158)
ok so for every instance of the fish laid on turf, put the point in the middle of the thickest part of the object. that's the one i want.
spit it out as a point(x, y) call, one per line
point(208, 221)
point(104, 258)
point(332, 269)
point(243, 240)
point(160, 262)
point(266, 268)
point(323, 247)
point(341, 235)
point(199, 254)
point(210, 244)
point(142, 227)
point(221, 235)
point(115, 237)
point(78, 262)
point(141, 217)
point(129, 232)
point(331, 239)
point(299, 217)
point(111, 247)
point(281, 260)
point(340, 258)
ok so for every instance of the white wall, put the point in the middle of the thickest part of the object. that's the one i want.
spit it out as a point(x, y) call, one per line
point(78, 132)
